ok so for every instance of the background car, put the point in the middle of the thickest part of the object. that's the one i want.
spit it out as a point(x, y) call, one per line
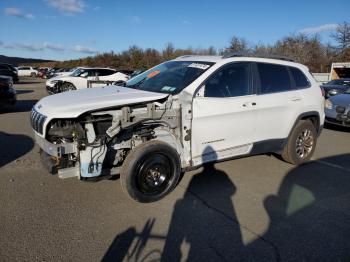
point(337, 109)
point(7, 92)
point(9, 70)
point(336, 86)
point(63, 72)
point(27, 71)
point(80, 77)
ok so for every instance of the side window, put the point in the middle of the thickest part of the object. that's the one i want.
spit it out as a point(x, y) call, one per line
point(230, 81)
point(93, 72)
point(299, 78)
point(273, 78)
point(105, 72)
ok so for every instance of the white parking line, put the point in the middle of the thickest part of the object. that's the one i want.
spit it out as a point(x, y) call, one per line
point(332, 165)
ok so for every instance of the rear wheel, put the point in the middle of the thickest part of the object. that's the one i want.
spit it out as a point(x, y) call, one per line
point(301, 143)
point(150, 171)
point(32, 74)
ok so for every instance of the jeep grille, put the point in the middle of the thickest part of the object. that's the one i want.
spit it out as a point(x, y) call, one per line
point(37, 121)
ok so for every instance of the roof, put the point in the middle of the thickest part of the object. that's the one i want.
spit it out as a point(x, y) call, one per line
point(240, 57)
point(202, 58)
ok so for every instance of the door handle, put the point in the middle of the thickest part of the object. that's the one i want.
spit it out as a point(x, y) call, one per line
point(296, 98)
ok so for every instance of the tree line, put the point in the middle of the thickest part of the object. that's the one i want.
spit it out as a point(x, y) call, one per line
point(303, 48)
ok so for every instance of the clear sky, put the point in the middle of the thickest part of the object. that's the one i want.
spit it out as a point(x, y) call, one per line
point(67, 29)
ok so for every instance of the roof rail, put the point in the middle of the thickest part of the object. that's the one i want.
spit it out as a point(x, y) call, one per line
point(260, 55)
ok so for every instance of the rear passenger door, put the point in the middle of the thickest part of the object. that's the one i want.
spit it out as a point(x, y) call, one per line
point(279, 102)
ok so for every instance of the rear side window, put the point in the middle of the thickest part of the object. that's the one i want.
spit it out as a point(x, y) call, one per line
point(273, 78)
point(299, 78)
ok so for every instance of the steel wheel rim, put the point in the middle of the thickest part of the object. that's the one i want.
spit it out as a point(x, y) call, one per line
point(154, 174)
point(304, 143)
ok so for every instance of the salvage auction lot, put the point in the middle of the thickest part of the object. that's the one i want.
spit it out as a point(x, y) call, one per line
point(257, 208)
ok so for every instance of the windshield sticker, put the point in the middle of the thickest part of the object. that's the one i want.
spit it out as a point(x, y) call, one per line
point(152, 74)
point(199, 66)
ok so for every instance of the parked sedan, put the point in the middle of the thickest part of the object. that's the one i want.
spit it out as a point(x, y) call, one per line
point(7, 92)
point(335, 87)
point(337, 109)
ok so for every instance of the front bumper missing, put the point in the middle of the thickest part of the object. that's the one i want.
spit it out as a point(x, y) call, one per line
point(56, 150)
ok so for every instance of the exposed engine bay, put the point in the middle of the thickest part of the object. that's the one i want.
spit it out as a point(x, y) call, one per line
point(102, 139)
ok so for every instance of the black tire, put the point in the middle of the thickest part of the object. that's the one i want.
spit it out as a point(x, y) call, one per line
point(301, 143)
point(65, 87)
point(150, 171)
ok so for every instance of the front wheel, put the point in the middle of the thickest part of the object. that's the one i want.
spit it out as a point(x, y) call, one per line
point(65, 87)
point(301, 143)
point(150, 171)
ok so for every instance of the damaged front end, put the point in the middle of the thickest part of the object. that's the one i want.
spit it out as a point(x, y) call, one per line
point(97, 143)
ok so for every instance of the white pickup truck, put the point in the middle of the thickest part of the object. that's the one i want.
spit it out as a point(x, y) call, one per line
point(178, 116)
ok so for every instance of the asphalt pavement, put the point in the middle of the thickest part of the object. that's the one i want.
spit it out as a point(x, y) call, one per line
point(251, 209)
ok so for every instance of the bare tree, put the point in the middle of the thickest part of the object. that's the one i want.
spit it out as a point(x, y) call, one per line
point(342, 36)
point(237, 44)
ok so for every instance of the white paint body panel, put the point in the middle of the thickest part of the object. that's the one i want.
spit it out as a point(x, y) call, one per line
point(219, 124)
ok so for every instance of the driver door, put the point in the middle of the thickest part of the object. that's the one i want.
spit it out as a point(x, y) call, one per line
point(224, 115)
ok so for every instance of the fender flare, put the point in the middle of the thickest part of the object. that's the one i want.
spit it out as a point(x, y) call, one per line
point(306, 115)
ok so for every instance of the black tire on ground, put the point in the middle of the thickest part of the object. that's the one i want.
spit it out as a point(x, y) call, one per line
point(67, 87)
point(150, 171)
point(301, 143)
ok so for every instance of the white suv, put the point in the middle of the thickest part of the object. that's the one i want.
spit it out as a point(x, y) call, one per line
point(178, 116)
point(27, 71)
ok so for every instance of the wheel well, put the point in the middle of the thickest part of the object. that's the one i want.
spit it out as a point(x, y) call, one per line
point(315, 120)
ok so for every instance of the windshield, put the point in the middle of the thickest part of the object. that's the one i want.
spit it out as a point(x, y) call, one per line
point(170, 77)
point(78, 72)
point(339, 82)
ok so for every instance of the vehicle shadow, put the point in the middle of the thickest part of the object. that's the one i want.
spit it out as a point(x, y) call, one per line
point(20, 106)
point(309, 216)
point(13, 147)
point(309, 220)
point(24, 91)
point(26, 82)
point(337, 128)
